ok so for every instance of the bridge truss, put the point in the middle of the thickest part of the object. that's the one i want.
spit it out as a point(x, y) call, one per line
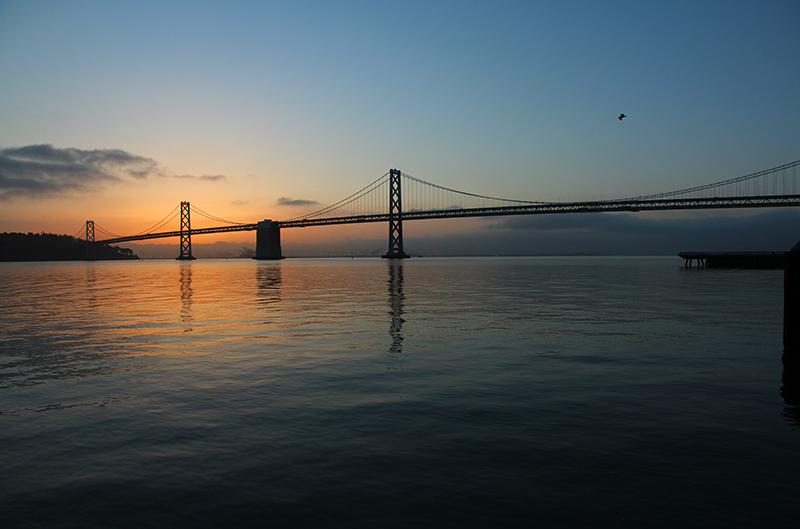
point(419, 199)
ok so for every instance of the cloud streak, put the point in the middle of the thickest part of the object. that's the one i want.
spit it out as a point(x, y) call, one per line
point(283, 201)
point(209, 178)
point(632, 224)
point(36, 171)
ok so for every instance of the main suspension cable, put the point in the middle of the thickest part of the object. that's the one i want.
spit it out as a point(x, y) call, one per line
point(212, 217)
point(111, 235)
point(723, 183)
point(171, 215)
point(421, 181)
point(358, 194)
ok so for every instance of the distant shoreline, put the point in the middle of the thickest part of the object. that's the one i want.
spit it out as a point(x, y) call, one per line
point(37, 247)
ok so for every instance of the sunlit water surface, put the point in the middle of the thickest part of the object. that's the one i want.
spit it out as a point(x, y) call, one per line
point(584, 392)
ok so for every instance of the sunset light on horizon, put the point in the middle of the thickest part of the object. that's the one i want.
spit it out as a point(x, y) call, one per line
point(118, 112)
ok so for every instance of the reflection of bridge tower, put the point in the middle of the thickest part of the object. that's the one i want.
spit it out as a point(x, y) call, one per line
point(186, 296)
point(186, 234)
point(395, 218)
point(396, 301)
point(91, 249)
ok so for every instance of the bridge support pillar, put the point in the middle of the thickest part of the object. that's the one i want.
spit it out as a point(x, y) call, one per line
point(268, 240)
point(395, 218)
point(186, 234)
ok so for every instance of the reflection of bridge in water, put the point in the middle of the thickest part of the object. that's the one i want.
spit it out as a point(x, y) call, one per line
point(396, 301)
point(411, 198)
point(267, 293)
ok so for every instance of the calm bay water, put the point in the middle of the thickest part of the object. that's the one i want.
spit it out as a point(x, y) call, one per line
point(585, 392)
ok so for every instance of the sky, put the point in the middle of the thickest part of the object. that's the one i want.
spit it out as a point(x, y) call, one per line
point(118, 111)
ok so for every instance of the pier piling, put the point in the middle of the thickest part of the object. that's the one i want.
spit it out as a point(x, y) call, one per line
point(791, 306)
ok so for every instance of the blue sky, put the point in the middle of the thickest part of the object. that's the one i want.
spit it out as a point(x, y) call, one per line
point(313, 100)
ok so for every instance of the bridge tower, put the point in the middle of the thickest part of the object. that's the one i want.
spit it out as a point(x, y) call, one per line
point(91, 249)
point(395, 218)
point(186, 234)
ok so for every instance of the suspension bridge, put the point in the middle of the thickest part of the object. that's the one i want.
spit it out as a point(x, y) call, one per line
point(396, 197)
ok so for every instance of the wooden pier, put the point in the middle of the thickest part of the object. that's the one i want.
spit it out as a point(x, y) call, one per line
point(761, 260)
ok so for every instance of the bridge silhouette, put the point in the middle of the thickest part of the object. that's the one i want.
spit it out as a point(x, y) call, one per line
point(396, 197)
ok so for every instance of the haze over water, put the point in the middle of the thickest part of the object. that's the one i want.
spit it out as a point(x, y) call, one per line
point(592, 392)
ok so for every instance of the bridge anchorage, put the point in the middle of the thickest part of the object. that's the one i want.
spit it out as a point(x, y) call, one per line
point(268, 240)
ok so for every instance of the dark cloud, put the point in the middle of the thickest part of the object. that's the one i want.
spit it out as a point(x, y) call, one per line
point(597, 223)
point(43, 170)
point(240, 202)
point(283, 201)
point(623, 234)
point(210, 178)
point(769, 221)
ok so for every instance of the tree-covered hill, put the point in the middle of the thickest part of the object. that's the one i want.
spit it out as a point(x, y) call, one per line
point(51, 247)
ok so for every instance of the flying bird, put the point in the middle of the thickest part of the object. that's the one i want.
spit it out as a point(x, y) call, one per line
point(622, 116)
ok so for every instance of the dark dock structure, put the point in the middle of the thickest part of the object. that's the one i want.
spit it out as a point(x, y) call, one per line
point(761, 260)
point(789, 262)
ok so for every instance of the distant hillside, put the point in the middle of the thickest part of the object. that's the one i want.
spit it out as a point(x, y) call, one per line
point(51, 247)
point(171, 250)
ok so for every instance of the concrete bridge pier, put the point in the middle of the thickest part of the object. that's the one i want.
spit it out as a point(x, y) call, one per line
point(268, 240)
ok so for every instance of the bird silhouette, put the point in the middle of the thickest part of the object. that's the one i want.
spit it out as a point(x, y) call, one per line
point(622, 116)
